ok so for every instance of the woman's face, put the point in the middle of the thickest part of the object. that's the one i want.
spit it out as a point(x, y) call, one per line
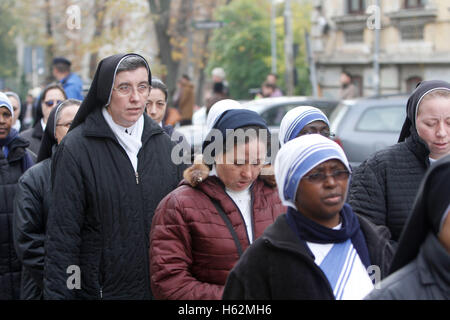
point(239, 167)
point(433, 125)
point(322, 192)
point(66, 117)
point(156, 105)
point(6, 119)
point(16, 107)
point(318, 127)
point(52, 98)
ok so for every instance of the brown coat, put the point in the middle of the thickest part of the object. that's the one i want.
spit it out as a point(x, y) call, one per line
point(186, 101)
point(191, 249)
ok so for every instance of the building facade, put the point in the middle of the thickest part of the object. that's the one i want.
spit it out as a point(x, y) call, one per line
point(413, 43)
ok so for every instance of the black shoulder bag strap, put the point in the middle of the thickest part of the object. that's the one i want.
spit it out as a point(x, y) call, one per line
point(229, 226)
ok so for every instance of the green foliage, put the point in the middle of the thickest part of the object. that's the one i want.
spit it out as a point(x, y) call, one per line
point(8, 65)
point(242, 47)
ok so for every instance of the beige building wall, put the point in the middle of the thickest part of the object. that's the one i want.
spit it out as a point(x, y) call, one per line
point(400, 59)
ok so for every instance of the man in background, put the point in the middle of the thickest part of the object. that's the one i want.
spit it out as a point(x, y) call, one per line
point(71, 82)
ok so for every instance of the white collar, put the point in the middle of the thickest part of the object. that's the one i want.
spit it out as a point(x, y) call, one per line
point(131, 141)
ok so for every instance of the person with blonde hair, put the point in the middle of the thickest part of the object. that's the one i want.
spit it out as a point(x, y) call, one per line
point(384, 186)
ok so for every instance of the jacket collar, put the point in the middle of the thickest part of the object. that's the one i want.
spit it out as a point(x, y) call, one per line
point(281, 236)
point(17, 149)
point(419, 148)
point(38, 131)
point(95, 125)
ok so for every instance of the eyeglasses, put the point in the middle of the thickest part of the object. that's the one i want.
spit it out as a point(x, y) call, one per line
point(66, 125)
point(320, 177)
point(325, 133)
point(126, 89)
point(50, 103)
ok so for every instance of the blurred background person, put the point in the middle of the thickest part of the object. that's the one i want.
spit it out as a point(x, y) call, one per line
point(51, 96)
point(14, 161)
point(383, 187)
point(32, 202)
point(348, 89)
point(184, 99)
point(272, 78)
point(267, 89)
point(421, 266)
point(17, 106)
point(218, 93)
point(71, 82)
point(218, 75)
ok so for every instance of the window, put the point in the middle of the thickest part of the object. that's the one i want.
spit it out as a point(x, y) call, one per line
point(412, 33)
point(382, 119)
point(354, 36)
point(275, 114)
point(356, 6)
point(411, 83)
point(414, 4)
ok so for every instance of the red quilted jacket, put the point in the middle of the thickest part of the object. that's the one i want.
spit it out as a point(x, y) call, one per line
point(191, 249)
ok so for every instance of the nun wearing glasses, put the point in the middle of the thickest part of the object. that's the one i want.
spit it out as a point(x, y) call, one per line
point(319, 249)
point(32, 202)
point(301, 121)
point(110, 172)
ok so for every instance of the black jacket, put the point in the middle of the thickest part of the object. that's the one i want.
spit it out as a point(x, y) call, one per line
point(33, 136)
point(10, 171)
point(278, 265)
point(425, 278)
point(383, 187)
point(102, 211)
point(30, 216)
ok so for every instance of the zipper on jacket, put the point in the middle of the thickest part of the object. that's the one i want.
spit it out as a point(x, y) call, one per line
point(137, 177)
point(101, 292)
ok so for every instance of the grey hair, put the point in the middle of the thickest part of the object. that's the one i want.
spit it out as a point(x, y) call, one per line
point(14, 95)
point(62, 106)
point(131, 63)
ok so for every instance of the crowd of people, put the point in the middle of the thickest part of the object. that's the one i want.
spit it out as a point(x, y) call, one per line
point(94, 207)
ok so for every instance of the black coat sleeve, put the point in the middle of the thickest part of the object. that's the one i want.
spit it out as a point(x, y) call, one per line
point(234, 288)
point(65, 220)
point(367, 195)
point(29, 225)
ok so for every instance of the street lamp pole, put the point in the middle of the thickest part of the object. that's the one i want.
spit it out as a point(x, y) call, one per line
point(273, 36)
point(288, 48)
point(376, 49)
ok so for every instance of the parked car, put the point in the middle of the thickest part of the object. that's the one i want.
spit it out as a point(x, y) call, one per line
point(363, 126)
point(271, 109)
